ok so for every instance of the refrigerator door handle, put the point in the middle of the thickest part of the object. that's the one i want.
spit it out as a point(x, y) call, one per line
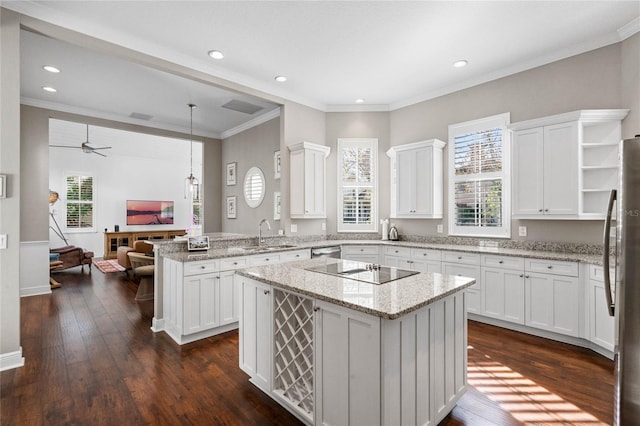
point(605, 254)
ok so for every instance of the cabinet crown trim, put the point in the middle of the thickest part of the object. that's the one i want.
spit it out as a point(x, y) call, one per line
point(584, 115)
point(437, 143)
point(309, 145)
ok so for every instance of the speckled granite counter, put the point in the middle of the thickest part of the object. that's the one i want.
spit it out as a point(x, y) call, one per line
point(217, 253)
point(391, 300)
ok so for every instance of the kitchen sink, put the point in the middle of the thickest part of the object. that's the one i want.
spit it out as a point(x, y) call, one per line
point(267, 248)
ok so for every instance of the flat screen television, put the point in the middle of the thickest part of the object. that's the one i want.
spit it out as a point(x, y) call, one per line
point(142, 212)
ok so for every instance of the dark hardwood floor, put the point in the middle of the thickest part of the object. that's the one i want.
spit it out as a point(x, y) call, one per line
point(91, 358)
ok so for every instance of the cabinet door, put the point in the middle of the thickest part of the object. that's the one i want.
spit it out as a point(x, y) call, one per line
point(426, 265)
point(560, 169)
point(314, 183)
point(199, 303)
point(601, 325)
point(474, 293)
point(424, 185)
point(229, 303)
point(527, 188)
point(406, 182)
point(347, 381)
point(552, 303)
point(503, 296)
point(255, 332)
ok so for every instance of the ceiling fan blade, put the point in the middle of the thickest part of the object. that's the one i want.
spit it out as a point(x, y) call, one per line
point(64, 146)
point(99, 153)
point(101, 147)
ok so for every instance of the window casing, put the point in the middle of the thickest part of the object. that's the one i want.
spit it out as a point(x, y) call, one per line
point(80, 208)
point(479, 178)
point(357, 185)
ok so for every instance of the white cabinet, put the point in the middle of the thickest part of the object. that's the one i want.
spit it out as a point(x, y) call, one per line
point(255, 332)
point(347, 366)
point(422, 260)
point(503, 288)
point(361, 253)
point(565, 165)
point(200, 310)
point(553, 299)
point(417, 180)
point(229, 293)
point(465, 265)
point(308, 180)
point(601, 324)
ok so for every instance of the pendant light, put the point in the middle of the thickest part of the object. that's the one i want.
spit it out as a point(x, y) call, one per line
point(191, 183)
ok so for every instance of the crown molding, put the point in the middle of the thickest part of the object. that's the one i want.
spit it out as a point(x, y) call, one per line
point(629, 29)
point(251, 123)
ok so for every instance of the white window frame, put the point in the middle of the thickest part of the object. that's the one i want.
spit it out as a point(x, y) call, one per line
point(93, 219)
point(504, 231)
point(358, 143)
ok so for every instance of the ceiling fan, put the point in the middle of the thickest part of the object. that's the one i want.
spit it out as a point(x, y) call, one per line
point(85, 147)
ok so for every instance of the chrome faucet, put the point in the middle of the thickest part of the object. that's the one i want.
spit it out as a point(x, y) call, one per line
point(260, 230)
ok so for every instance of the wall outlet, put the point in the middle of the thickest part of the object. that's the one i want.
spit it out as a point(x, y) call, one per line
point(324, 226)
point(3, 241)
point(281, 232)
point(522, 231)
point(439, 228)
point(294, 228)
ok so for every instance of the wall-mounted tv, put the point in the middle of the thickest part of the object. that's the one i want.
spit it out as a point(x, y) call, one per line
point(140, 212)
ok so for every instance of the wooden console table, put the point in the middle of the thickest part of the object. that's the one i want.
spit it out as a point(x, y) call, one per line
point(113, 240)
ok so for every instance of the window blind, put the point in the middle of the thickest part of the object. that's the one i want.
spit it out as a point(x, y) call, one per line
point(357, 183)
point(79, 197)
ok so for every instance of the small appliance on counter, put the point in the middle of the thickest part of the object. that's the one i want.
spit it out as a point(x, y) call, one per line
point(393, 232)
point(385, 229)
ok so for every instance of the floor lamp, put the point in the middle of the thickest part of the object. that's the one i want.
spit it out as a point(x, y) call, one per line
point(53, 197)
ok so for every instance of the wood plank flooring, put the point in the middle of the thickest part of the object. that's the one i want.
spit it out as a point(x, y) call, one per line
point(91, 358)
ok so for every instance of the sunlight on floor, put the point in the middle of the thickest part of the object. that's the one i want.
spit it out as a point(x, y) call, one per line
point(527, 401)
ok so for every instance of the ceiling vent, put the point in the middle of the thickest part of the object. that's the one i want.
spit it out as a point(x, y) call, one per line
point(242, 106)
point(141, 116)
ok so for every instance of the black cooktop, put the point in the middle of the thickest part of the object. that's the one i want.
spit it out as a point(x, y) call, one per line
point(367, 272)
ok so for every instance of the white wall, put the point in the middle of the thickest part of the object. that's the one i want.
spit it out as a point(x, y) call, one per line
point(138, 167)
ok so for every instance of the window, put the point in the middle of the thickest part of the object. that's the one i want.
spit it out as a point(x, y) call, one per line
point(80, 199)
point(479, 184)
point(357, 185)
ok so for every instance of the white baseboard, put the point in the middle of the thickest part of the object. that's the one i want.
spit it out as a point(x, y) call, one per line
point(11, 360)
point(157, 325)
point(34, 268)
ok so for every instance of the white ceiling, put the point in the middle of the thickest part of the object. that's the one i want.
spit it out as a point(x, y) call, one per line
point(390, 53)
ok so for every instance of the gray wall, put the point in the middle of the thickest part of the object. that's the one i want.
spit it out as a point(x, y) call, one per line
point(211, 172)
point(357, 125)
point(252, 147)
point(10, 166)
point(589, 80)
point(630, 75)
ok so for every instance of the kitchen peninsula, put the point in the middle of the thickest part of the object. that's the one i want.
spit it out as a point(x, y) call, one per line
point(336, 350)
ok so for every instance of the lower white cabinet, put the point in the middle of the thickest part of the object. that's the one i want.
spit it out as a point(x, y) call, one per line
point(601, 324)
point(503, 288)
point(361, 253)
point(414, 259)
point(229, 297)
point(200, 311)
point(552, 303)
point(255, 332)
point(466, 265)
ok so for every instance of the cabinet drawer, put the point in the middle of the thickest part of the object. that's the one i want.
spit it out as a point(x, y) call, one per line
point(264, 259)
point(596, 272)
point(427, 254)
point(360, 250)
point(398, 251)
point(506, 262)
point(200, 267)
point(569, 269)
point(461, 257)
point(295, 255)
point(233, 263)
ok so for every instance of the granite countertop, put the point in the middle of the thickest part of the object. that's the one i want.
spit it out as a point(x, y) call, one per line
point(390, 300)
point(218, 253)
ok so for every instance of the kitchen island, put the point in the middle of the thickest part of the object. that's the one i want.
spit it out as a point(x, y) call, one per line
point(336, 350)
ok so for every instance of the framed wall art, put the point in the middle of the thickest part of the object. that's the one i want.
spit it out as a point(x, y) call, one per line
point(276, 206)
point(231, 173)
point(276, 165)
point(232, 204)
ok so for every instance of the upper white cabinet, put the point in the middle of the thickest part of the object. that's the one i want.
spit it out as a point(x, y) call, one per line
point(565, 165)
point(308, 180)
point(416, 180)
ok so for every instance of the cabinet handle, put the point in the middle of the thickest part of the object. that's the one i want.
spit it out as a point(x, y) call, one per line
point(267, 292)
point(549, 267)
point(396, 251)
point(297, 255)
point(267, 259)
point(424, 254)
point(521, 275)
point(540, 210)
point(235, 263)
point(316, 309)
point(526, 276)
point(546, 210)
point(459, 257)
point(501, 262)
point(361, 249)
point(203, 267)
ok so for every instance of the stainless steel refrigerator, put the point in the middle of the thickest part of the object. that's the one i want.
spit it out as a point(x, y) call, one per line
point(624, 302)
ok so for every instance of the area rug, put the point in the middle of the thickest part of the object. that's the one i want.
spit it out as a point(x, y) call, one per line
point(108, 265)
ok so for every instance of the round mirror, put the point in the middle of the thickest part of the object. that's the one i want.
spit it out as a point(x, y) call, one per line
point(254, 187)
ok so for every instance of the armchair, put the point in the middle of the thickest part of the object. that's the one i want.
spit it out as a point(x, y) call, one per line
point(139, 246)
point(72, 256)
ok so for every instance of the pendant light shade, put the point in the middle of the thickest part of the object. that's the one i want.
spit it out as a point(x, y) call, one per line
point(191, 183)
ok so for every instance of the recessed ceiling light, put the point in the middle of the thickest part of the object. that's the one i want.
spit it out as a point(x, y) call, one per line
point(50, 68)
point(216, 54)
point(460, 64)
point(360, 101)
point(49, 89)
point(281, 79)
